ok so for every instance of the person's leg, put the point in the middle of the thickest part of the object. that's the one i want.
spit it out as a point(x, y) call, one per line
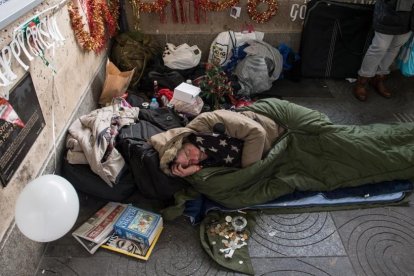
point(370, 63)
point(397, 42)
point(378, 82)
point(375, 54)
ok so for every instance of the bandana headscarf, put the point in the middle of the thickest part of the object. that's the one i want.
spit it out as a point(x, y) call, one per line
point(221, 149)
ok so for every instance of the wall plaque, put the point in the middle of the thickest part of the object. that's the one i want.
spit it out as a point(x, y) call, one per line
point(21, 121)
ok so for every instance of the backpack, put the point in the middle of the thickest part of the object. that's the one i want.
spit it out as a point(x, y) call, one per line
point(134, 50)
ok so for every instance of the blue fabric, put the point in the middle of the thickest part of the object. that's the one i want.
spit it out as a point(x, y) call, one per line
point(238, 54)
point(405, 60)
point(384, 192)
point(289, 57)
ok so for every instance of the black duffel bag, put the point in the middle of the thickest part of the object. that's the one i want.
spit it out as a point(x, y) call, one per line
point(144, 163)
point(335, 37)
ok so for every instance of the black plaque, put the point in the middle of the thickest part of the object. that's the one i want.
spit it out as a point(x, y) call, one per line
point(21, 121)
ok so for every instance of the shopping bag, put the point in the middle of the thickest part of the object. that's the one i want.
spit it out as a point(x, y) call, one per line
point(182, 56)
point(221, 49)
point(405, 60)
point(116, 83)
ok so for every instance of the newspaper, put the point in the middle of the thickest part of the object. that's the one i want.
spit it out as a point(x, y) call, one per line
point(97, 229)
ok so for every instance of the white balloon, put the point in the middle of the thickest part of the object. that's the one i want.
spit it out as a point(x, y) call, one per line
point(47, 208)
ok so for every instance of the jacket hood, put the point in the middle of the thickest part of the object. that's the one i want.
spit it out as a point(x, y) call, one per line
point(167, 145)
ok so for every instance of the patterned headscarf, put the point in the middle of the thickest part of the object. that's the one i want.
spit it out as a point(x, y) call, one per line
point(221, 149)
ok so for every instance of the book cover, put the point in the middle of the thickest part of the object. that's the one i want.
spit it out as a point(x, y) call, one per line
point(96, 230)
point(129, 247)
point(138, 224)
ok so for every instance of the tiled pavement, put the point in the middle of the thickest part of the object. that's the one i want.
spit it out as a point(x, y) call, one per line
point(377, 241)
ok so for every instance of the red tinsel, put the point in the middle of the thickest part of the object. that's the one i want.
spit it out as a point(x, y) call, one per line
point(174, 11)
point(99, 18)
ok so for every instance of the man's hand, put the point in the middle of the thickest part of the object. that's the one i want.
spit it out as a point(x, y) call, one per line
point(178, 170)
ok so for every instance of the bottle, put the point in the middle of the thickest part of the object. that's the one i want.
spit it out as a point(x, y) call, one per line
point(154, 104)
point(156, 90)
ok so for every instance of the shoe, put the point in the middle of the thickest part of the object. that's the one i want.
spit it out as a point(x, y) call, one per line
point(378, 83)
point(360, 88)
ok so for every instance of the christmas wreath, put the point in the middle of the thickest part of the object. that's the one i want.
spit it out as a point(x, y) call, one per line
point(261, 17)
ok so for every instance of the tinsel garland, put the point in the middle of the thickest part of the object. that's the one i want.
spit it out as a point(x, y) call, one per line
point(209, 5)
point(114, 9)
point(151, 7)
point(98, 13)
point(174, 11)
point(263, 16)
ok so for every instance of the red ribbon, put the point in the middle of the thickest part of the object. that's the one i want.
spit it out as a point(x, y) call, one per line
point(174, 11)
point(182, 13)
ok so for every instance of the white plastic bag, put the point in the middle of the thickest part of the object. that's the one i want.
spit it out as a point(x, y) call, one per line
point(192, 109)
point(221, 49)
point(182, 56)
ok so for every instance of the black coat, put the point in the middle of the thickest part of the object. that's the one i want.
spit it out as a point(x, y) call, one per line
point(388, 20)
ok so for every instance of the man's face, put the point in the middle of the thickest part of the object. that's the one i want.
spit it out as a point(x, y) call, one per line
point(189, 155)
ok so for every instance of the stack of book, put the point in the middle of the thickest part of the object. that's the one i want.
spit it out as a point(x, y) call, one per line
point(121, 228)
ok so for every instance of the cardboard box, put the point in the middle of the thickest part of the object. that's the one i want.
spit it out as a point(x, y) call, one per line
point(186, 92)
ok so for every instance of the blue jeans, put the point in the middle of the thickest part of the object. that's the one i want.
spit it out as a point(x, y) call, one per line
point(381, 54)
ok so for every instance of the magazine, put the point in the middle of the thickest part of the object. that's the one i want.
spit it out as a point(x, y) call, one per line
point(97, 229)
point(139, 225)
point(129, 247)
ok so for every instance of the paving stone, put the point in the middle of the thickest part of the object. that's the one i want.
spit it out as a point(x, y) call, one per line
point(307, 234)
point(303, 266)
point(378, 241)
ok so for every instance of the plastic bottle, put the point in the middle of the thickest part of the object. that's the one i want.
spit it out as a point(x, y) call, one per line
point(156, 90)
point(154, 104)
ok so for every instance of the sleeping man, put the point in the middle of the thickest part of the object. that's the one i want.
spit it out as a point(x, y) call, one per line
point(275, 147)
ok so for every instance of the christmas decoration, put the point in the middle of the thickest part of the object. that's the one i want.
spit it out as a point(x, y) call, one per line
point(150, 7)
point(261, 17)
point(209, 5)
point(215, 86)
point(99, 18)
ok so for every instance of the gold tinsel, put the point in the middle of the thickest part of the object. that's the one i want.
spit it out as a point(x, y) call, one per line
point(97, 14)
point(150, 7)
point(209, 5)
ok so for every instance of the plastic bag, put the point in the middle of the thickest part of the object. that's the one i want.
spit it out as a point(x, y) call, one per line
point(405, 60)
point(221, 49)
point(192, 109)
point(182, 56)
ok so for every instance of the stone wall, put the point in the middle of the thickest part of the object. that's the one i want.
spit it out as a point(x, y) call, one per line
point(78, 81)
